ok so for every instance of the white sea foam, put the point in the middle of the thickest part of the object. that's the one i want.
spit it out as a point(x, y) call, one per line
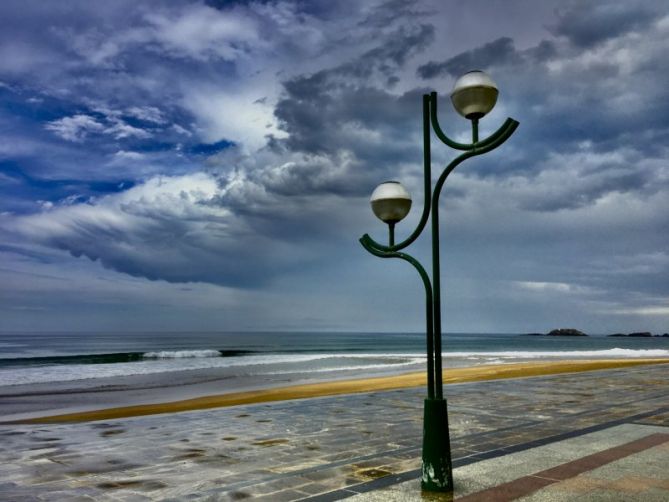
point(529, 354)
point(239, 364)
point(175, 361)
point(395, 364)
point(181, 354)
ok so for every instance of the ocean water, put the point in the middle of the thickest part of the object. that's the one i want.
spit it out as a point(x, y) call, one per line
point(47, 358)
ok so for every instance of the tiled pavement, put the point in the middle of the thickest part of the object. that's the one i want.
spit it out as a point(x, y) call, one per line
point(328, 448)
point(622, 463)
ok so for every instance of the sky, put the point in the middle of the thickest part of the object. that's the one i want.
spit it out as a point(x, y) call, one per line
point(207, 165)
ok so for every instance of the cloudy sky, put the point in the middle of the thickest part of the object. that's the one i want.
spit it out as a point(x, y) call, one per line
point(194, 165)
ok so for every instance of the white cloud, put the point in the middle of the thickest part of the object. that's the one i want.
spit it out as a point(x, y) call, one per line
point(147, 113)
point(71, 200)
point(75, 128)
point(203, 33)
point(120, 130)
point(235, 116)
point(45, 204)
point(128, 155)
point(558, 287)
point(180, 130)
point(651, 310)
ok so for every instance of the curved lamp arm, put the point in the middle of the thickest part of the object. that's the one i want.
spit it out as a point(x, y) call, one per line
point(490, 143)
point(428, 304)
point(437, 128)
point(509, 122)
point(471, 150)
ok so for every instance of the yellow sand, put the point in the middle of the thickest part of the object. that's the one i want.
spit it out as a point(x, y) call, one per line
point(455, 375)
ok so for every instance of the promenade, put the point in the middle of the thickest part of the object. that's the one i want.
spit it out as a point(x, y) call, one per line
point(600, 435)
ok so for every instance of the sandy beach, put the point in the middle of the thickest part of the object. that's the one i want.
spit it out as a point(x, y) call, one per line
point(320, 389)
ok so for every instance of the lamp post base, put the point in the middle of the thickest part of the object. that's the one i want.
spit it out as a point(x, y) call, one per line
point(437, 467)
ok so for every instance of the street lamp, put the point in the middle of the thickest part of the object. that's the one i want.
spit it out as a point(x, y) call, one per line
point(390, 203)
point(474, 95)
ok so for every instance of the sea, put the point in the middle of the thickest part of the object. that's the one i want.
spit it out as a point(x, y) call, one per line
point(47, 358)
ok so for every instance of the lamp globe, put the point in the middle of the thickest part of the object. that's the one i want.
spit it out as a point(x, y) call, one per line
point(390, 202)
point(474, 94)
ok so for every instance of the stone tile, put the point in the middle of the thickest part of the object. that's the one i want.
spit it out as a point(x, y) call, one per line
point(283, 496)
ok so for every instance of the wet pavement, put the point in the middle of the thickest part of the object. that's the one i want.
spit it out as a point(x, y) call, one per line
point(620, 463)
point(364, 446)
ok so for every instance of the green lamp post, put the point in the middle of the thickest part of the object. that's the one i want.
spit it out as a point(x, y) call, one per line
point(473, 96)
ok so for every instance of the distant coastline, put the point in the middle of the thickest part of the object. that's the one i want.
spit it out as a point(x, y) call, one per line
point(641, 334)
point(576, 332)
point(559, 332)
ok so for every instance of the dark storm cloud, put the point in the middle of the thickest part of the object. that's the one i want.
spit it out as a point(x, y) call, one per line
point(391, 11)
point(345, 116)
point(313, 174)
point(586, 24)
point(498, 52)
point(589, 191)
point(570, 93)
point(315, 107)
point(326, 118)
point(171, 229)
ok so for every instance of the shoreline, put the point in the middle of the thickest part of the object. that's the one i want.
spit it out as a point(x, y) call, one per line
point(339, 387)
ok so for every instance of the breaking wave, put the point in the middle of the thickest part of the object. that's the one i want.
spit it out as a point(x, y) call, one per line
point(179, 354)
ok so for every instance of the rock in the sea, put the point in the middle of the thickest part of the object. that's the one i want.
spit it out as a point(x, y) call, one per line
point(566, 332)
point(641, 333)
point(617, 334)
